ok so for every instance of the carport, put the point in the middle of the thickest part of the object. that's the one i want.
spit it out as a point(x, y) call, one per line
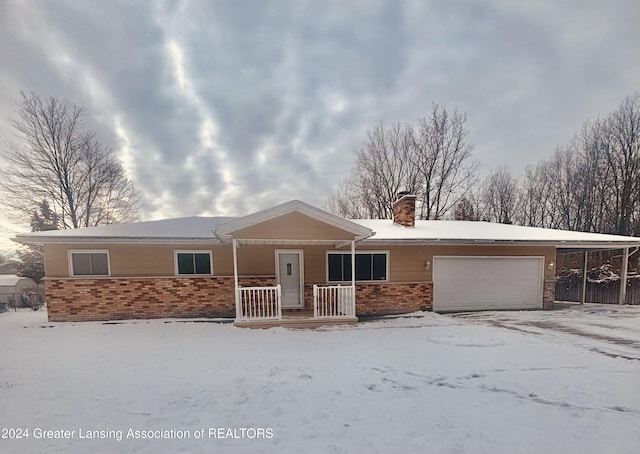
point(625, 254)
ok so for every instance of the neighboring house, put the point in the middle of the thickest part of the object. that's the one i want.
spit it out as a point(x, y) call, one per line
point(8, 268)
point(12, 288)
point(295, 261)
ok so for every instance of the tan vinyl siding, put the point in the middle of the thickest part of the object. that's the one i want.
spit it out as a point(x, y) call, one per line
point(255, 260)
point(56, 262)
point(260, 261)
point(315, 264)
point(406, 263)
point(137, 260)
point(293, 226)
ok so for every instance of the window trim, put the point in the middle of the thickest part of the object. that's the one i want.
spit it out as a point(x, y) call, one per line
point(192, 251)
point(70, 253)
point(387, 261)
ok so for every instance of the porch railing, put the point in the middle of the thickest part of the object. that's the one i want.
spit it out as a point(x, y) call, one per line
point(334, 301)
point(259, 303)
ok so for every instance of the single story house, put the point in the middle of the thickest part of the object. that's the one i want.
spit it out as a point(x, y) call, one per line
point(294, 262)
point(12, 288)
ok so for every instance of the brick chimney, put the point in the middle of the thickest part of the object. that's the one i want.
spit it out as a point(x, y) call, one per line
point(404, 210)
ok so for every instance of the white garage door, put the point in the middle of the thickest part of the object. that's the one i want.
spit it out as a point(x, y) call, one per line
point(486, 283)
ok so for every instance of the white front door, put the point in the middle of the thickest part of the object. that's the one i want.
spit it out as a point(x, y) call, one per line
point(289, 274)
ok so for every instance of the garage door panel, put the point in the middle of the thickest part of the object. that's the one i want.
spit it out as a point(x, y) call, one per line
point(481, 283)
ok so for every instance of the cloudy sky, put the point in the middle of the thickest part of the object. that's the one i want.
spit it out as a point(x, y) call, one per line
point(225, 107)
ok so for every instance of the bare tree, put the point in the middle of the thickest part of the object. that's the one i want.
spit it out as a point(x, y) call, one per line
point(500, 196)
point(559, 192)
point(623, 157)
point(431, 161)
point(534, 207)
point(569, 190)
point(384, 168)
point(568, 196)
point(442, 156)
point(592, 183)
point(58, 160)
point(348, 200)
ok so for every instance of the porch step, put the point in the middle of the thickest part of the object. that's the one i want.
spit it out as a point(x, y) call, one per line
point(297, 322)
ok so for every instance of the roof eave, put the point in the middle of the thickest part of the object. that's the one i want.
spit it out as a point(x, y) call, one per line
point(120, 240)
point(487, 242)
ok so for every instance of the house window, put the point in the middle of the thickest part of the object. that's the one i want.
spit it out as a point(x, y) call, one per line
point(193, 262)
point(89, 263)
point(370, 266)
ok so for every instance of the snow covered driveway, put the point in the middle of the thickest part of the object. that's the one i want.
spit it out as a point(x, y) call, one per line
point(499, 382)
point(605, 328)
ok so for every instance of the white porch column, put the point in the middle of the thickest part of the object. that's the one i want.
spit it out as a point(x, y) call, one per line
point(584, 278)
point(353, 277)
point(623, 275)
point(236, 292)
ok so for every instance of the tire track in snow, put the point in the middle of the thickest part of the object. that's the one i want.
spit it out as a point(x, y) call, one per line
point(609, 345)
point(389, 379)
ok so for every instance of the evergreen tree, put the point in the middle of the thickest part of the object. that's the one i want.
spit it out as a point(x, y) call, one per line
point(31, 257)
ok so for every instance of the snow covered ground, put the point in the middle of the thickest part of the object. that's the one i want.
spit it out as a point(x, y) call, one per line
point(497, 382)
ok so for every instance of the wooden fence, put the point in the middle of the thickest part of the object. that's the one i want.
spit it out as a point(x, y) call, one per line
point(569, 288)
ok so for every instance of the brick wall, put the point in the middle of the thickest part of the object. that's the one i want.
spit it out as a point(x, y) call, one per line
point(130, 298)
point(136, 298)
point(384, 299)
point(548, 294)
point(393, 298)
point(256, 281)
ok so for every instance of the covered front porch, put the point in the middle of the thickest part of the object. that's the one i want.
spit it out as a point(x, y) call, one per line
point(281, 271)
point(291, 301)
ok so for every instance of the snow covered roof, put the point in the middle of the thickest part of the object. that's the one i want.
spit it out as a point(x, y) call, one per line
point(10, 280)
point(201, 230)
point(186, 230)
point(478, 232)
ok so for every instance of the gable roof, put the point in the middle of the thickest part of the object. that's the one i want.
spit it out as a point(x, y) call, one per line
point(225, 231)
